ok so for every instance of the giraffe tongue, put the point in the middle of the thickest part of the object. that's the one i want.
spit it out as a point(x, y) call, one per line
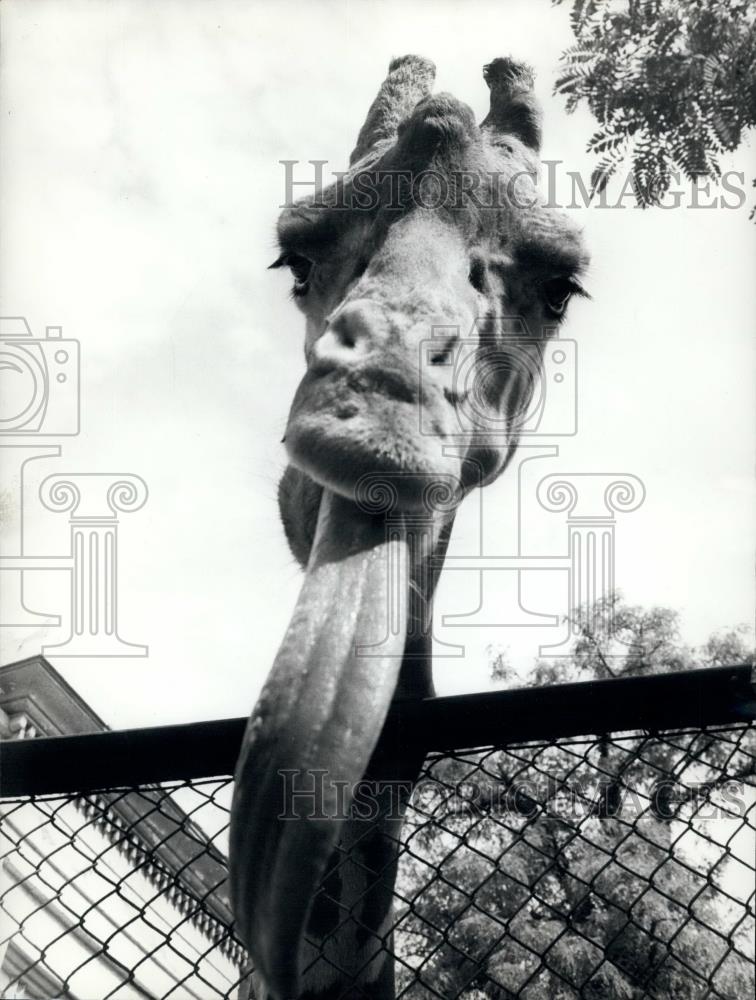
point(321, 710)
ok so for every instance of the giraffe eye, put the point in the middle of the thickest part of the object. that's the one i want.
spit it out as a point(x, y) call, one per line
point(557, 292)
point(300, 268)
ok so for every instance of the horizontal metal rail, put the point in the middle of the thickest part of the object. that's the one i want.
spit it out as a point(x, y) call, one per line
point(716, 696)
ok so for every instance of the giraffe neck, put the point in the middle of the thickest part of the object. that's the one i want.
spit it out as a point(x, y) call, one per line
point(427, 550)
point(313, 896)
point(350, 923)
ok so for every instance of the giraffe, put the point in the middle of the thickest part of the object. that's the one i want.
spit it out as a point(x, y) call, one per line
point(435, 236)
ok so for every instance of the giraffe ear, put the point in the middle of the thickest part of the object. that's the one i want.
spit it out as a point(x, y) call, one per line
point(410, 79)
point(515, 110)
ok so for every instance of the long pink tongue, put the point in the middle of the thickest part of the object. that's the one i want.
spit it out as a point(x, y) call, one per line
point(321, 709)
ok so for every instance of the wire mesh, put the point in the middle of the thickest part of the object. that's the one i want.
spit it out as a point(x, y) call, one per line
point(619, 866)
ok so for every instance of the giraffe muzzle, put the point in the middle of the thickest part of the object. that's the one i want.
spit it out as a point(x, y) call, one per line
point(372, 420)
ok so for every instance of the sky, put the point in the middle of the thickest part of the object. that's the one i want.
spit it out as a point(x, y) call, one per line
point(141, 181)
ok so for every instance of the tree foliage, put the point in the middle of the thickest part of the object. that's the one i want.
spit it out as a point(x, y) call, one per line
point(585, 868)
point(672, 84)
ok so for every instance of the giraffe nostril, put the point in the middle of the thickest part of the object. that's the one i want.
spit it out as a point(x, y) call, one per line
point(444, 352)
point(356, 329)
point(347, 329)
point(345, 335)
point(440, 358)
point(352, 334)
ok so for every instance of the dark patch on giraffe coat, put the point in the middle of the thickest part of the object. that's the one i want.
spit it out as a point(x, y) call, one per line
point(326, 914)
point(378, 855)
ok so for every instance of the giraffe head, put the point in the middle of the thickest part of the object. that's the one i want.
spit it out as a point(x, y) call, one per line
point(435, 237)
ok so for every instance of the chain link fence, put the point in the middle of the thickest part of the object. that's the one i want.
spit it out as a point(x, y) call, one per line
point(612, 867)
point(118, 894)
